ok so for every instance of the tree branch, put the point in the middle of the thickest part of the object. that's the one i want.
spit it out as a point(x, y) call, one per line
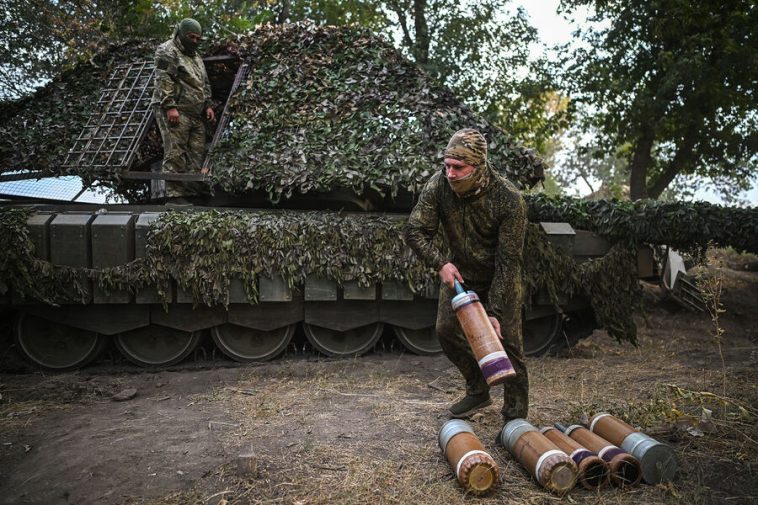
point(682, 158)
point(403, 25)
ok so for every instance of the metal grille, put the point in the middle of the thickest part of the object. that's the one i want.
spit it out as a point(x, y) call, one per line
point(118, 123)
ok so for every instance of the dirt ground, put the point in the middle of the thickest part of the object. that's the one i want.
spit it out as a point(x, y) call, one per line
point(365, 430)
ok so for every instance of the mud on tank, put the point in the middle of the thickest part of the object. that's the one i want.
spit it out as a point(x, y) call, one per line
point(321, 128)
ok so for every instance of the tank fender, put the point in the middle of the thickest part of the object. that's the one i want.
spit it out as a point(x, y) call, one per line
point(266, 316)
point(184, 317)
point(342, 316)
point(106, 319)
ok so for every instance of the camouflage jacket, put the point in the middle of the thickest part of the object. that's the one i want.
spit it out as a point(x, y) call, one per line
point(485, 236)
point(180, 80)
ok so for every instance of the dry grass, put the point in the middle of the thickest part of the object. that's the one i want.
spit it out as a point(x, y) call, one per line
point(365, 432)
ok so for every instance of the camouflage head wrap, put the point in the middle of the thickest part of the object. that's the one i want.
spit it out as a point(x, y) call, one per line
point(470, 147)
point(183, 29)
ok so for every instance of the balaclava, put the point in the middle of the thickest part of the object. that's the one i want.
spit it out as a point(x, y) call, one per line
point(183, 29)
point(469, 146)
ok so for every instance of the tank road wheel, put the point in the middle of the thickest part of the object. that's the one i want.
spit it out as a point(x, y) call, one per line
point(541, 334)
point(154, 345)
point(247, 344)
point(423, 342)
point(56, 346)
point(343, 343)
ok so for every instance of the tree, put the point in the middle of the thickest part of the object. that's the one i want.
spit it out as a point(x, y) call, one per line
point(581, 161)
point(673, 82)
point(481, 51)
point(38, 36)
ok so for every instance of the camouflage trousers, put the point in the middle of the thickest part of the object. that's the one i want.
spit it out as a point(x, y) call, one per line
point(183, 152)
point(457, 349)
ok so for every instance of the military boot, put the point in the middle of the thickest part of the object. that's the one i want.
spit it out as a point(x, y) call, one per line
point(469, 404)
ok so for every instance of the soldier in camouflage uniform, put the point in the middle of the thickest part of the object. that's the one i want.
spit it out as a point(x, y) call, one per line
point(483, 219)
point(181, 101)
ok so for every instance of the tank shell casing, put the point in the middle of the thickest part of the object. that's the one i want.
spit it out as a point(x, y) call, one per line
point(625, 469)
point(593, 471)
point(657, 460)
point(486, 346)
point(551, 467)
point(474, 468)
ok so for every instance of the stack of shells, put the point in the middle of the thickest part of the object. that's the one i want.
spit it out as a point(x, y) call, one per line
point(559, 458)
point(624, 468)
point(592, 470)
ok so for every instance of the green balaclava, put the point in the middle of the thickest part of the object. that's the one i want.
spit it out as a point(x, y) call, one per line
point(183, 29)
point(469, 146)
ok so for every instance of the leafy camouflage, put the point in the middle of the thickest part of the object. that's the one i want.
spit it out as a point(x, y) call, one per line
point(682, 225)
point(329, 107)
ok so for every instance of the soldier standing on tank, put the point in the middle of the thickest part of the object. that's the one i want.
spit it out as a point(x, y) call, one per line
point(181, 101)
point(483, 218)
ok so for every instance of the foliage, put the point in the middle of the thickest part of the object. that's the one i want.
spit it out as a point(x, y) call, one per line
point(473, 47)
point(326, 108)
point(368, 14)
point(582, 161)
point(39, 37)
point(681, 225)
point(204, 252)
point(673, 81)
point(610, 282)
point(31, 278)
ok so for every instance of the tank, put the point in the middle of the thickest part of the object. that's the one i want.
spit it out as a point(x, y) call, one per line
point(325, 137)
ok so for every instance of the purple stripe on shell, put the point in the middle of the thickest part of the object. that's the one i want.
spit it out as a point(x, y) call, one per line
point(579, 456)
point(495, 367)
point(611, 453)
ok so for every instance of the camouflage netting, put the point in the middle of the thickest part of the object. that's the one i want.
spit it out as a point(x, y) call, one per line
point(325, 108)
point(682, 225)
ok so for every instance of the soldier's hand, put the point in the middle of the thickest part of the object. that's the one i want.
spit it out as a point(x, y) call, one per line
point(173, 116)
point(448, 273)
point(210, 115)
point(204, 170)
point(496, 327)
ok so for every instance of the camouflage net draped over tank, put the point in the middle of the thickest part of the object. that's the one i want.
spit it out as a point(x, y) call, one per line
point(326, 108)
point(682, 225)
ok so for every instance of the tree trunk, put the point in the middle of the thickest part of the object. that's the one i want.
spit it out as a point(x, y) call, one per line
point(284, 13)
point(641, 162)
point(421, 47)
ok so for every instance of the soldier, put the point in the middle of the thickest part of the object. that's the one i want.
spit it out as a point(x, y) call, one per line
point(483, 218)
point(182, 98)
